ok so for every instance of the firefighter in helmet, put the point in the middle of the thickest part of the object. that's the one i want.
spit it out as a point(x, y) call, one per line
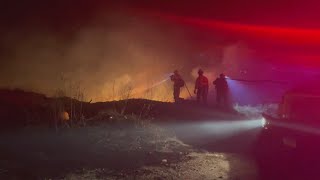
point(178, 83)
point(222, 90)
point(201, 87)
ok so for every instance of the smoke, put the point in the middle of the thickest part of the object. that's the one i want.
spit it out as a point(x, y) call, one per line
point(111, 55)
point(115, 55)
point(258, 110)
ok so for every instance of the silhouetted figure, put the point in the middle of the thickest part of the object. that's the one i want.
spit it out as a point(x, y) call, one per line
point(222, 90)
point(178, 83)
point(201, 87)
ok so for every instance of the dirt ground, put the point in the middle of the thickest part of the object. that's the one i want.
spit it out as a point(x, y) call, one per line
point(131, 139)
point(194, 165)
point(121, 151)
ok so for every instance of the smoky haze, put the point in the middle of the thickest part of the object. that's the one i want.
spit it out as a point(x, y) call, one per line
point(112, 52)
point(110, 55)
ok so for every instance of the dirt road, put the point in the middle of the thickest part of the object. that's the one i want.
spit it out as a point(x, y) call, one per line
point(122, 152)
point(173, 142)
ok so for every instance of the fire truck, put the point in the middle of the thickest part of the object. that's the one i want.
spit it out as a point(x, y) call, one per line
point(292, 135)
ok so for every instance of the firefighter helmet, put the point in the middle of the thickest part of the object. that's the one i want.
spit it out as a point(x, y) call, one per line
point(200, 71)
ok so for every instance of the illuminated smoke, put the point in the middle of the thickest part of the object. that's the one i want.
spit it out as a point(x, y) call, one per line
point(114, 55)
point(258, 110)
point(217, 130)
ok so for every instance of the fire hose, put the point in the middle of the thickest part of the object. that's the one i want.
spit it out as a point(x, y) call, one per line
point(188, 90)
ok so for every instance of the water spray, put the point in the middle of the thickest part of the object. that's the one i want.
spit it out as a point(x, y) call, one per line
point(159, 83)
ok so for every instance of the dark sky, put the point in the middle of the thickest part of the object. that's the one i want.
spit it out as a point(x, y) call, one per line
point(285, 12)
point(68, 16)
point(274, 12)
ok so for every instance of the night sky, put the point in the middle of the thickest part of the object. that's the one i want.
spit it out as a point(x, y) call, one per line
point(102, 44)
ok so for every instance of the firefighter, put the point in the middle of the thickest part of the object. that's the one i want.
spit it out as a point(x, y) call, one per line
point(201, 87)
point(221, 90)
point(178, 83)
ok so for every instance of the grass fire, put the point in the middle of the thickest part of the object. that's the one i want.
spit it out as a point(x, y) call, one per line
point(158, 90)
